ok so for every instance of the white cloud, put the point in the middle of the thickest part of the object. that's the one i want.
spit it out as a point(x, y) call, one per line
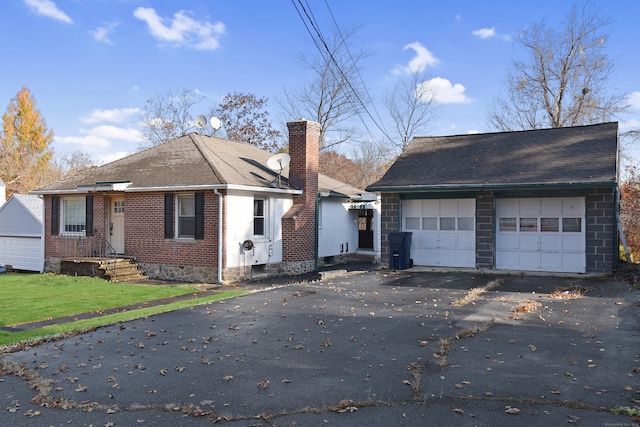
point(49, 9)
point(634, 100)
point(419, 62)
point(115, 115)
point(101, 34)
point(182, 29)
point(445, 92)
point(485, 33)
point(88, 142)
point(113, 132)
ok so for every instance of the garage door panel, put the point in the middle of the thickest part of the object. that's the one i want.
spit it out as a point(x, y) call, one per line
point(528, 242)
point(446, 234)
point(550, 207)
point(430, 207)
point(22, 253)
point(572, 207)
point(551, 261)
point(412, 208)
point(552, 245)
point(529, 207)
point(467, 258)
point(467, 207)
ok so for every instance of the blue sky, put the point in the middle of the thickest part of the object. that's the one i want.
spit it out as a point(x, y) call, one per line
point(92, 64)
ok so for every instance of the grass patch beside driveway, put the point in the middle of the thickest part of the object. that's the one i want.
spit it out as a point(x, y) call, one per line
point(30, 298)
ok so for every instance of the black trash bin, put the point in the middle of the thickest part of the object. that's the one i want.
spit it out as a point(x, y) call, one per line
point(400, 250)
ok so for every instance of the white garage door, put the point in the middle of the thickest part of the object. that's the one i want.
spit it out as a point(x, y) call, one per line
point(546, 234)
point(22, 253)
point(443, 231)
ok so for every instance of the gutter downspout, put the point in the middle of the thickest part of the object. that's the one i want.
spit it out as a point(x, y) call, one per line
point(220, 242)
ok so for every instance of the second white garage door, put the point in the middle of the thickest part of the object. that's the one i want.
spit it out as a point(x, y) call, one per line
point(541, 234)
point(443, 231)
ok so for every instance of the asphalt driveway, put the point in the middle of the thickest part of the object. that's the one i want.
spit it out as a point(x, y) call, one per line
point(379, 349)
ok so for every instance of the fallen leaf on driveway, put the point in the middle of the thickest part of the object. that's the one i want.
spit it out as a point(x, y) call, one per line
point(228, 377)
point(458, 410)
point(263, 384)
point(512, 411)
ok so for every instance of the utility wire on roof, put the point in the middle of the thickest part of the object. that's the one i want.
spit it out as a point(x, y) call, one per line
point(318, 34)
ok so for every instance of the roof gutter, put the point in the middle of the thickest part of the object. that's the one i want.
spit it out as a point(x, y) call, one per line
point(455, 187)
point(91, 188)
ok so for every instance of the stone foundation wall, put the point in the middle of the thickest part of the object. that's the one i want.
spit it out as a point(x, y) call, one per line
point(180, 273)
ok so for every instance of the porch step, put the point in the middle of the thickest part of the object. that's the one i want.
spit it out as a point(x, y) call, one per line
point(121, 270)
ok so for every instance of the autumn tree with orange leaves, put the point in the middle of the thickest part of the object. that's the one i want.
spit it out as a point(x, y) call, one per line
point(630, 210)
point(25, 143)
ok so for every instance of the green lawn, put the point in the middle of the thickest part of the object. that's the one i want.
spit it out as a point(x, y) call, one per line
point(27, 298)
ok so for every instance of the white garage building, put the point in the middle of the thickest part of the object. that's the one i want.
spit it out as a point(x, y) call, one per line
point(21, 242)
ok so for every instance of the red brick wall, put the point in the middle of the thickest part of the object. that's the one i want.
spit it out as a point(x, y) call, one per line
point(144, 232)
point(298, 224)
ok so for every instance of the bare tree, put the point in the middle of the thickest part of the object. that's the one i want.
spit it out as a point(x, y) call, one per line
point(564, 81)
point(335, 93)
point(412, 105)
point(168, 116)
point(245, 118)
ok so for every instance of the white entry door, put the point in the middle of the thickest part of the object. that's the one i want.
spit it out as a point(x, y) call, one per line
point(443, 231)
point(116, 225)
point(541, 234)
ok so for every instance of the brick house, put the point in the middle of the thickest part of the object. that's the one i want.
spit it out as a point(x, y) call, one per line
point(205, 209)
point(538, 200)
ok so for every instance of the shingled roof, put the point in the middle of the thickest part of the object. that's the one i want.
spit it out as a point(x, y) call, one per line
point(561, 157)
point(193, 161)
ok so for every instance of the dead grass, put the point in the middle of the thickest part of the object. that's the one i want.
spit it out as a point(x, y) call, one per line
point(445, 344)
point(475, 293)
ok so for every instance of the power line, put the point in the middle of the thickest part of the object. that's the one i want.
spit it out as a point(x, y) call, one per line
point(323, 44)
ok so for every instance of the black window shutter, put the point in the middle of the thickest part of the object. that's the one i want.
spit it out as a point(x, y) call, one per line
point(55, 215)
point(199, 231)
point(168, 215)
point(89, 216)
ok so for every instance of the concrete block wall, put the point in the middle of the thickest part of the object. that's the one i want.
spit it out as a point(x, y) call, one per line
point(389, 221)
point(485, 229)
point(601, 231)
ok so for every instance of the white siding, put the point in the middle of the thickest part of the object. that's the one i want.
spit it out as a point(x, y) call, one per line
point(267, 248)
point(337, 228)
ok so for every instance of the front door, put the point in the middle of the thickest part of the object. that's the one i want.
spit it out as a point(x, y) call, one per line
point(116, 226)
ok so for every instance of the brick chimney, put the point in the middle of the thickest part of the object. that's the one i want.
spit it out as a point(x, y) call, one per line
point(299, 223)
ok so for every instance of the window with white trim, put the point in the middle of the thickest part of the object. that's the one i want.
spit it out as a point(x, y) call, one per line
point(259, 217)
point(73, 217)
point(186, 215)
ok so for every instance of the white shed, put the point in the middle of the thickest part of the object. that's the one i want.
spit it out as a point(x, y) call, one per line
point(21, 229)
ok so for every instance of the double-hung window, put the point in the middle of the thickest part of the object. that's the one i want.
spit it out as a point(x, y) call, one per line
point(73, 215)
point(186, 216)
point(258, 217)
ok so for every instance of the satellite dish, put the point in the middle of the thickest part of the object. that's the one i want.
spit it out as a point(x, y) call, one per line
point(201, 122)
point(215, 123)
point(278, 162)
